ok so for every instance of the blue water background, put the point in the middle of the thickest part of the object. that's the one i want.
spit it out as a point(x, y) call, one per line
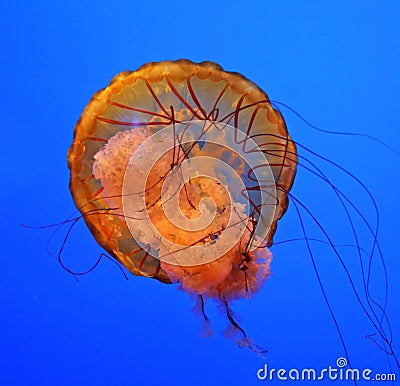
point(336, 63)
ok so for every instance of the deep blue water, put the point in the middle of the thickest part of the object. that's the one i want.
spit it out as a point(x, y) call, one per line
point(335, 64)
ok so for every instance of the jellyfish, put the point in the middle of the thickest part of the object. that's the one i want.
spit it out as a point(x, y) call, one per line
point(182, 172)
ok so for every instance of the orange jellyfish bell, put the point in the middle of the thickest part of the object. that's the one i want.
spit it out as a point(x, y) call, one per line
point(181, 172)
